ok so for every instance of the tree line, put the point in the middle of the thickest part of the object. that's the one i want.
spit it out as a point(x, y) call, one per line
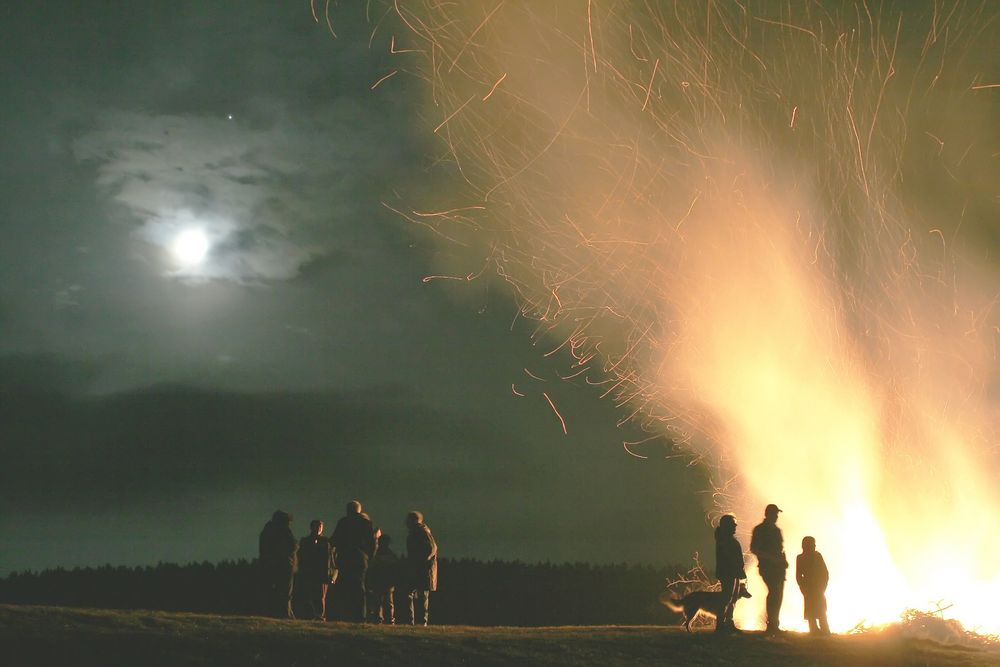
point(471, 591)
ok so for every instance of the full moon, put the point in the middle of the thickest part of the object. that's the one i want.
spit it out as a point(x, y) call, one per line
point(190, 247)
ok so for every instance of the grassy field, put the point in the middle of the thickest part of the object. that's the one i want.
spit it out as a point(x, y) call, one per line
point(75, 637)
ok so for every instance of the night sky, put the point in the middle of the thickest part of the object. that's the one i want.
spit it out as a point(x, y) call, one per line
point(152, 411)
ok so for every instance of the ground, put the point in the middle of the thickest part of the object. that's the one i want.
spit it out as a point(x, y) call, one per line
point(32, 635)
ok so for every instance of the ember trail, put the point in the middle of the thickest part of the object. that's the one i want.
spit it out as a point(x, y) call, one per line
point(759, 227)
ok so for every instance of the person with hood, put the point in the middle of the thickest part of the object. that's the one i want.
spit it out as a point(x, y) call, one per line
point(813, 577)
point(354, 543)
point(316, 571)
point(768, 545)
point(729, 570)
point(421, 567)
point(277, 563)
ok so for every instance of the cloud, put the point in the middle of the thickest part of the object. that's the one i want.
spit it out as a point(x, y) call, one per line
point(503, 482)
point(272, 191)
point(265, 135)
point(120, 137)
point(41, 373)
point(168, 442)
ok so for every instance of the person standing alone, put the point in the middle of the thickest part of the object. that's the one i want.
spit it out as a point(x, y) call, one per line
point(421, 566)
point(768, 545)
point(813, 577)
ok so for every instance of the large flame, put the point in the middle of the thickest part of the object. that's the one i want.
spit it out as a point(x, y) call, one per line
point(760, 226)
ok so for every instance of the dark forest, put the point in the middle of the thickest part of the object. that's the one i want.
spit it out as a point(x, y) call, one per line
point(471, 592)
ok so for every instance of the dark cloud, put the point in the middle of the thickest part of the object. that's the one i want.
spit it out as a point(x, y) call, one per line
point(167, 442)
point(150, 411)
point(41, 374)
point(271, 192)
point(493, 488)
point(117, 136)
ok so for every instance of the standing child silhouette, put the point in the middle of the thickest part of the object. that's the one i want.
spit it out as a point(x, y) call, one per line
point(812, 577)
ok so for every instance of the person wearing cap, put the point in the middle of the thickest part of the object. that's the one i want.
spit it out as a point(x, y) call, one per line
point(767, 544)
point(813, 577)
point(729, 570)
point(277, 563)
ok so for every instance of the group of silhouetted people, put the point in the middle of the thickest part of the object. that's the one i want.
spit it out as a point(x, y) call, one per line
point(767, 544)
point(356, 560)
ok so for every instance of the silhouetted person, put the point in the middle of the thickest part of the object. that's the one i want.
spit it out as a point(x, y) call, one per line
point(812, 577)
point(315, 572)
point(354, 542)
point(767, 544)
point(278, 562)
point(383, 573)
point(421, 567)
point(729, 569)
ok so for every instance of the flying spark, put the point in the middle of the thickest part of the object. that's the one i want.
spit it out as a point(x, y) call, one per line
point(735, 240)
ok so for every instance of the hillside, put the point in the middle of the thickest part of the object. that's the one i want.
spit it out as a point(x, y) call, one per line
point(33, 635)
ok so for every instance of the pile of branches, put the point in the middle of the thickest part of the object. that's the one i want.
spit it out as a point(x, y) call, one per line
point(695, 579)
point(932, 625)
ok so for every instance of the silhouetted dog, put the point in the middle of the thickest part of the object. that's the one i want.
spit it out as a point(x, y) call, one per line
point(698, 602)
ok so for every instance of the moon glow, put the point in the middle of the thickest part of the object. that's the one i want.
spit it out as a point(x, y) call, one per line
point(190, 247)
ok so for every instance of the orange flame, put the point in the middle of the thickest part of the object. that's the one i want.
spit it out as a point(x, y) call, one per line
point(801, 303)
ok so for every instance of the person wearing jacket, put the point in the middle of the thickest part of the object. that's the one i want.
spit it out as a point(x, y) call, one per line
point(729, 569)
point(421, 567)
point(277, 564)
point(768, 545)
point(812, 576)
point(383, 574)
point(354, 543)
point(315, 572)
